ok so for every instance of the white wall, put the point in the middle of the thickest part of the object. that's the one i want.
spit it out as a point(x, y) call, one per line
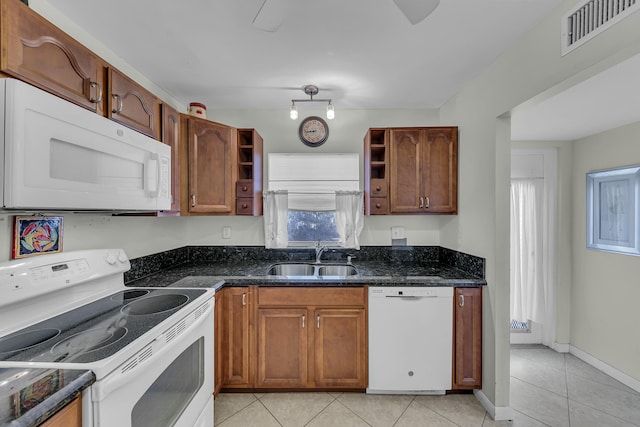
point(605, 287)
point(530, 67)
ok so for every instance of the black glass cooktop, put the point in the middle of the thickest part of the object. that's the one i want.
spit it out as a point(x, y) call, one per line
point(97, 330)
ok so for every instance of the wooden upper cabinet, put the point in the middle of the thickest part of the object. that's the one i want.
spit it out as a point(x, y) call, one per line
point(423, 170)
point(36, 51)
point(249, 185)
point(441, 170)
point(171, 137)
point(467, 338)
point(132, 105)
point(210, 171)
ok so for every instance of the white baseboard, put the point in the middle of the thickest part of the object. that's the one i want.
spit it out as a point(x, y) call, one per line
point(561, 348)
point(498, 413)
point(625, 379)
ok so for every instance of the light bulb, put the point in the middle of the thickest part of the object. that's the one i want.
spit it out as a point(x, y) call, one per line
point(330, 112)
point(293, 113)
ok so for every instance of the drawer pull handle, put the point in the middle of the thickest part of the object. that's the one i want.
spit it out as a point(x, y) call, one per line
point(427, 204)
point(119, 104)
point(244, 299)
point(461, 301)
point(318, 321)
point(98, 91)
point(421, 202)
point(303, 316)
point(193, 200)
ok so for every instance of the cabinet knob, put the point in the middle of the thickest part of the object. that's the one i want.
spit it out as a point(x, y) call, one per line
point(378, 205)
point(244, 206)
point(378, 188)
point(245, 188)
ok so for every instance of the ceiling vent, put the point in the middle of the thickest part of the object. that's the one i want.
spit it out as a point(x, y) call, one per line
point(592, 17)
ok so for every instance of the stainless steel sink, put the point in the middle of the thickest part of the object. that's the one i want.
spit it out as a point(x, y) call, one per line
point(287, 269)
point(337, 270)
point(310, 271)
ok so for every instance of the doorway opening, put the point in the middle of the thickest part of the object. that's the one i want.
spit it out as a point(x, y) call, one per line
point(532, 246)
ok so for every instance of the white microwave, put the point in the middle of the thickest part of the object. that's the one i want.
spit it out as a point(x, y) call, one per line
point(59, 156)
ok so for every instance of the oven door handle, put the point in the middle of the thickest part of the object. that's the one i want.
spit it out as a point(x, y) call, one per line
point(127, 372)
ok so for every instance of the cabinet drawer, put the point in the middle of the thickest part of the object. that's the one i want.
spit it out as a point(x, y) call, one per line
point(379, 206)
point(244, 206)
point(325, 296)
point(379, 188)
point(244, 188)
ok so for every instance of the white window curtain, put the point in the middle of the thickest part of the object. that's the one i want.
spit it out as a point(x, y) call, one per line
point(275, 212)
point(349, 217)
point(527, 274)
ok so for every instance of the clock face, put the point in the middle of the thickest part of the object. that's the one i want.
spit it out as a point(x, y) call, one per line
point(313, 131)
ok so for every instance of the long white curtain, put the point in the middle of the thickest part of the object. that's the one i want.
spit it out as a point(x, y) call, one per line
point(349, 217)
point(527, 274)
point(276, 212)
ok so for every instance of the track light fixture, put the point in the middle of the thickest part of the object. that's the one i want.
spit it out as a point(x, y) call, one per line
point(311, 90)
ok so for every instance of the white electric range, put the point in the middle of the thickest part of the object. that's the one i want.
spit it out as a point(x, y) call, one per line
point(151, 349)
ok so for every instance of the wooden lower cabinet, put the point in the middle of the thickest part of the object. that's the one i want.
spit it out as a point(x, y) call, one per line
point(312, 338)
point(467, 338)
point(303, 338)
point(282, 347)
point(340, 339)
point(233, 339)
point(69, 416)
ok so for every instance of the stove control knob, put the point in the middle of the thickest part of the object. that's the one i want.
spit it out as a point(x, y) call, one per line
point(122, 257)
point(111, 259)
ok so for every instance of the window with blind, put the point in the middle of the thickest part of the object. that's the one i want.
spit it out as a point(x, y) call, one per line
point(311, 182)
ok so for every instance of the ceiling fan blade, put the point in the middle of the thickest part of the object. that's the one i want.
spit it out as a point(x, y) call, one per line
point(416, 10)
point(270, 15)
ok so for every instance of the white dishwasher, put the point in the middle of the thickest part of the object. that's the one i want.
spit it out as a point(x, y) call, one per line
point(410, 339)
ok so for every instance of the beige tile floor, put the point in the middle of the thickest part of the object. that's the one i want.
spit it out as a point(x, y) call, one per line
point(547, 389)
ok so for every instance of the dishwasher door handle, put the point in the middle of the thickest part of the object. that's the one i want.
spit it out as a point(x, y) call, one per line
point(410, 296)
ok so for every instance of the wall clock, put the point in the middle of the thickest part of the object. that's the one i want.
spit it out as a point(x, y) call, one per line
point(313, 131)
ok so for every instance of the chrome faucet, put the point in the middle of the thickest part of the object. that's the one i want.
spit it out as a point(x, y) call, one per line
point(319, 250)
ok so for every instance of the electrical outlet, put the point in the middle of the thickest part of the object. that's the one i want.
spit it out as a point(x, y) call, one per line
point(226, 232)
point(397, 232)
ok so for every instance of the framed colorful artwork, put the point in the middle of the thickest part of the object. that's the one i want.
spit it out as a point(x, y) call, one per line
point(37, 392)
point(35, 235)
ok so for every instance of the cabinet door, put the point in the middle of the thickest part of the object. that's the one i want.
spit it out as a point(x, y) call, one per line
point(212, 161)
point(407, 156)
point(237, 303)
point(440, 172)
point(132, 105)
point(171, 137)
point(282, 347)
point(340, 348)
point(69, 416)
point(467, 363)
point(34, 50)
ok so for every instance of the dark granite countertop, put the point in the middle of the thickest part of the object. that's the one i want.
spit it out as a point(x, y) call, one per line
point(29, 396)
point(217, 274)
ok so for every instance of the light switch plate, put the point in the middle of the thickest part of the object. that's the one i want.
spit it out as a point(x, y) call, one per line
point(226, 232)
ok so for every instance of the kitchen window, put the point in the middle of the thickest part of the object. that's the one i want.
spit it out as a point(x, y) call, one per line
point(304, 187)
